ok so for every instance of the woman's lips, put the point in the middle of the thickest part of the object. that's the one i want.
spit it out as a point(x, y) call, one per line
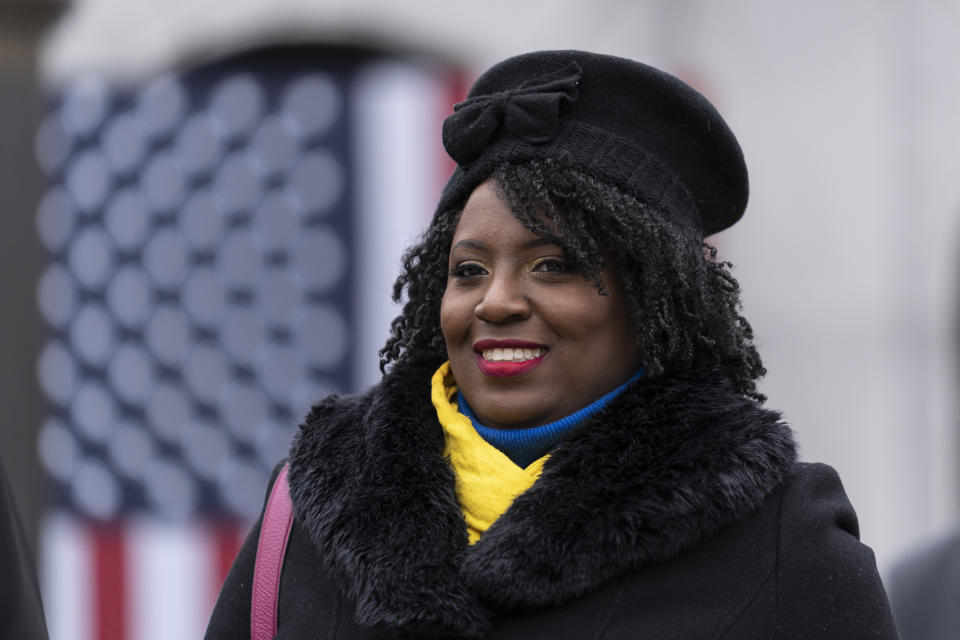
point(507, 358)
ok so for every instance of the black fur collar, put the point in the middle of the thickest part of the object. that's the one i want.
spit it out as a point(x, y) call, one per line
point(665, 465)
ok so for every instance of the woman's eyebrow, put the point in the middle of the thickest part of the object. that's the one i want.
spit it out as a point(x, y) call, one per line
point(469, 244)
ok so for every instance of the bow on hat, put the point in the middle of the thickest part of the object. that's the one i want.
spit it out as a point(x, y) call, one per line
point(530, 112)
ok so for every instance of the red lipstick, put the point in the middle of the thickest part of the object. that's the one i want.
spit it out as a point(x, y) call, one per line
point(503, 368)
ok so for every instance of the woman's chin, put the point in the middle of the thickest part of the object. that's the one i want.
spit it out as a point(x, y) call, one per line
point(503, 416)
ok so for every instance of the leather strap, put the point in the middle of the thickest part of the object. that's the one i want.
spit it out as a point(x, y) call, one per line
point(271, 548)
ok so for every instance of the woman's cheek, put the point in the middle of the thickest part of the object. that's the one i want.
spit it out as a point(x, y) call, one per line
point(451, 316)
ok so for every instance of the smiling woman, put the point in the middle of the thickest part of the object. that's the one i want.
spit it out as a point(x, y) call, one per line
point(530, 340)
point(568, 440)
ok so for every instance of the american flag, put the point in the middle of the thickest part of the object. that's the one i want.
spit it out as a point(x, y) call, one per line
point(222, 242)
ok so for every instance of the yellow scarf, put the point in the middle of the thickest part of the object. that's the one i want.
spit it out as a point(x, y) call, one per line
point(487, 480)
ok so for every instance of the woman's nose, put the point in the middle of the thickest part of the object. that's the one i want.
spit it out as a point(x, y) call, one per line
point(504, 300)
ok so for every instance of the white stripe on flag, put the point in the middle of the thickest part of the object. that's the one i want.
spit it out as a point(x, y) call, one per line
point(66, 578)
point(170, 575)
point(398, 160)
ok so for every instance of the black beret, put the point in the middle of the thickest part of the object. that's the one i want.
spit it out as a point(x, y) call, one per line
point(630, 125)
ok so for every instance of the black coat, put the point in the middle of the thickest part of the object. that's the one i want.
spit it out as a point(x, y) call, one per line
point(21, 612)
point(678, 511)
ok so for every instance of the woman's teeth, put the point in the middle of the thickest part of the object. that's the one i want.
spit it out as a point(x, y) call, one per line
point(511, 355)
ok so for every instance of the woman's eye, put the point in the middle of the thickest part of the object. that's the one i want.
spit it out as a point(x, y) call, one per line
point(467, 270)
point(553, 265)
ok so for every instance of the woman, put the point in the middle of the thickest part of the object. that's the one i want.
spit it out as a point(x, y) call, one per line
point(568, 441)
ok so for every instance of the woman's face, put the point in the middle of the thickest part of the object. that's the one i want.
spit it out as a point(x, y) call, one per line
point(530, 340)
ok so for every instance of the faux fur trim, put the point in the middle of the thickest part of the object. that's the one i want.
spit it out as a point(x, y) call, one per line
point(662, 467)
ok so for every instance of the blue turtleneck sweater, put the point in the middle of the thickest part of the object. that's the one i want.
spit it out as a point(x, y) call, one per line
point(527, 444)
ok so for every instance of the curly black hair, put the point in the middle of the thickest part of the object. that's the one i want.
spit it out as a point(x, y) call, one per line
point(685, 305)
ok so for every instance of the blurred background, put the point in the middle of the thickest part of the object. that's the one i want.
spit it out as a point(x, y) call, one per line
point(204, 206)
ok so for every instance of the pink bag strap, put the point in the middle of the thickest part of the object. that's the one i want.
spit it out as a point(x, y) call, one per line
point(271, 548)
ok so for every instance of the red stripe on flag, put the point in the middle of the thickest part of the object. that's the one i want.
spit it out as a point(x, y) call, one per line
point(221, 538)
point(225, 537)
point(227, 540)
point(110, 608)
